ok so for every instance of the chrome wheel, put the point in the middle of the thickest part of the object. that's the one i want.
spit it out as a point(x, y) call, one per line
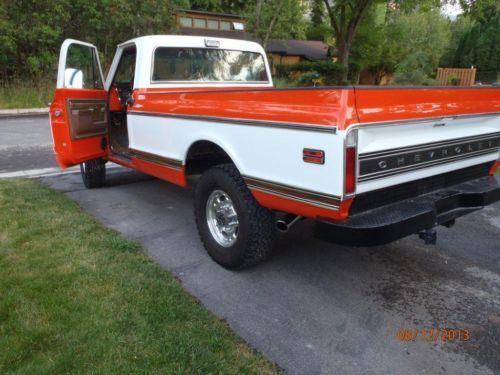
point(222, 218)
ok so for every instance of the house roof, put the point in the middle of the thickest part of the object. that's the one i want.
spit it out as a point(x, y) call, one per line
point(215, 33)
point(201, 12)
point(310, 49)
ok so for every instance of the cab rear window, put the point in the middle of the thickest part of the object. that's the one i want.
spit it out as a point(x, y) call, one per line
point(207, 65)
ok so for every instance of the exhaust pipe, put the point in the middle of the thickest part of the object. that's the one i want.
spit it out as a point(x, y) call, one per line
point(283, 225)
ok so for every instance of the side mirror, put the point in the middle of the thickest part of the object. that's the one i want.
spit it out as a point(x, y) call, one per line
point(73, 78)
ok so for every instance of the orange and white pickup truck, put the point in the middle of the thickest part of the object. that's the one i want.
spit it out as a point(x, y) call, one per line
point(369, 164)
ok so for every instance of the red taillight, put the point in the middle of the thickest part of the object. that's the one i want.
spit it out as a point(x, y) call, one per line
point(495, 167)
point(350, 170)
point(313, 156)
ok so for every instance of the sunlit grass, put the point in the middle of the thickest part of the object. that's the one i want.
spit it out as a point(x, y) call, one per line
point(77, 297)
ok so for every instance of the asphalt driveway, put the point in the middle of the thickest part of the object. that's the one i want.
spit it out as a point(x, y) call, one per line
point(320, 308)
point(25, 143)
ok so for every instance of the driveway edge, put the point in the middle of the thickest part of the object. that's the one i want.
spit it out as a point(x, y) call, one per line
point(19, 112)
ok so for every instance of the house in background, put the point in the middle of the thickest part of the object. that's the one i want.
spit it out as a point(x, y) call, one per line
point(294, 51)
point(221, 25)
point(198, 23)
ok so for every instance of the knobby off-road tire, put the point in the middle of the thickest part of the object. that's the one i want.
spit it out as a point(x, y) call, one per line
point(93, 173)
point(255, 231)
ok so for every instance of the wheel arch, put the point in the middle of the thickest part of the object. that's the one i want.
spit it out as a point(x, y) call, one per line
point(204, 153)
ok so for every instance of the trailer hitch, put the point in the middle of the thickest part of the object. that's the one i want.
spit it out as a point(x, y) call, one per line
point(429, 236)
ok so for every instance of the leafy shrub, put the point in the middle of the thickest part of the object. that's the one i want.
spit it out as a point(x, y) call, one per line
point(310, 79)
point(453, 80)
point(416, 69)
point(281, 83)
point(330, 72)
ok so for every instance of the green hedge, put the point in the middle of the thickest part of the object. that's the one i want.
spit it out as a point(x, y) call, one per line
point(330, 72)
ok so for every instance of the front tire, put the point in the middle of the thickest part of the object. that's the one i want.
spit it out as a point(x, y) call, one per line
point(236, 231)
point(93, 173)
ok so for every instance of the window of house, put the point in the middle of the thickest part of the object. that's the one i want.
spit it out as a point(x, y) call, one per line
point(213, 24)
point(238, 26)
point(224, 25)
point(200, 23)
point(186, 21)
point(207, 65)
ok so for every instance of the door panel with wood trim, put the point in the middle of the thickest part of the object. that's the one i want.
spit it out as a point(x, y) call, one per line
point(87, 118)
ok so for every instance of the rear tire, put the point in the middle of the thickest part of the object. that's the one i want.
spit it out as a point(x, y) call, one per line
point(237, 232)
point(93, 173)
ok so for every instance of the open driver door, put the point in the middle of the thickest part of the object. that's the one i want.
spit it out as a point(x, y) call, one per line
point(78, 113)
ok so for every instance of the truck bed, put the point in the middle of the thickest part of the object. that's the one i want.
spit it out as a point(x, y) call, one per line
point(264, 130)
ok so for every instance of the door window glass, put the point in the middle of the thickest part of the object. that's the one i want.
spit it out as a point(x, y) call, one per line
point(82, 68)
point(126, 68)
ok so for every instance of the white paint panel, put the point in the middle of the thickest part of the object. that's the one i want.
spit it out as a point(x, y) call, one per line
point(377, 138)
point(273, 154)
point(384, 137)
point(424, 172)
point(63, 57)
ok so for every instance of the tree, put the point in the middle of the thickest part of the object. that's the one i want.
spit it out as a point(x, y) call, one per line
point(318, 29)
point(221, 6)
point(392, 38)
point(345, 17)
point(317, 12)
point(414, 39)
point(279, 19)
point(30, 40)
point(416, 69)
point(460, 27)
point(479, 10)
point(370, 40)
point(478, 45)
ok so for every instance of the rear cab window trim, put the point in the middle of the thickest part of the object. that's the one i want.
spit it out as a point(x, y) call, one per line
point(207, 82)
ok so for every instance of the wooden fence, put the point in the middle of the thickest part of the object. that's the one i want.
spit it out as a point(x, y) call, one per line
point(456, 77)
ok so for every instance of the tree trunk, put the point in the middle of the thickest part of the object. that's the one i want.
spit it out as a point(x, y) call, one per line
point(344, 51)
point(271, 24)
point(258, 10)
point(344, 28)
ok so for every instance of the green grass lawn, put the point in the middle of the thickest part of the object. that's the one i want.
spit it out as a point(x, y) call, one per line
point(77, 297)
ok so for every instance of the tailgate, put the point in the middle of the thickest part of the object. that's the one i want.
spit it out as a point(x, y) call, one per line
point(408, 134)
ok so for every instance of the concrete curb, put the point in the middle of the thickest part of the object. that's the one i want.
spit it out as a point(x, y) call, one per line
point(24, 112)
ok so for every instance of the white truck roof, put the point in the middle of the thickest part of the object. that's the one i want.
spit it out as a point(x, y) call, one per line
point(147, 44)
point(153, 41)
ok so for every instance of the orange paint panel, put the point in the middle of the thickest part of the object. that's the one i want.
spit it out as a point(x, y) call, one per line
point(114, 101)
point(278, 203)
point(329, 107)
point(393, 104)
point(71, 152)
point(175, 176)
point(334, 106)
